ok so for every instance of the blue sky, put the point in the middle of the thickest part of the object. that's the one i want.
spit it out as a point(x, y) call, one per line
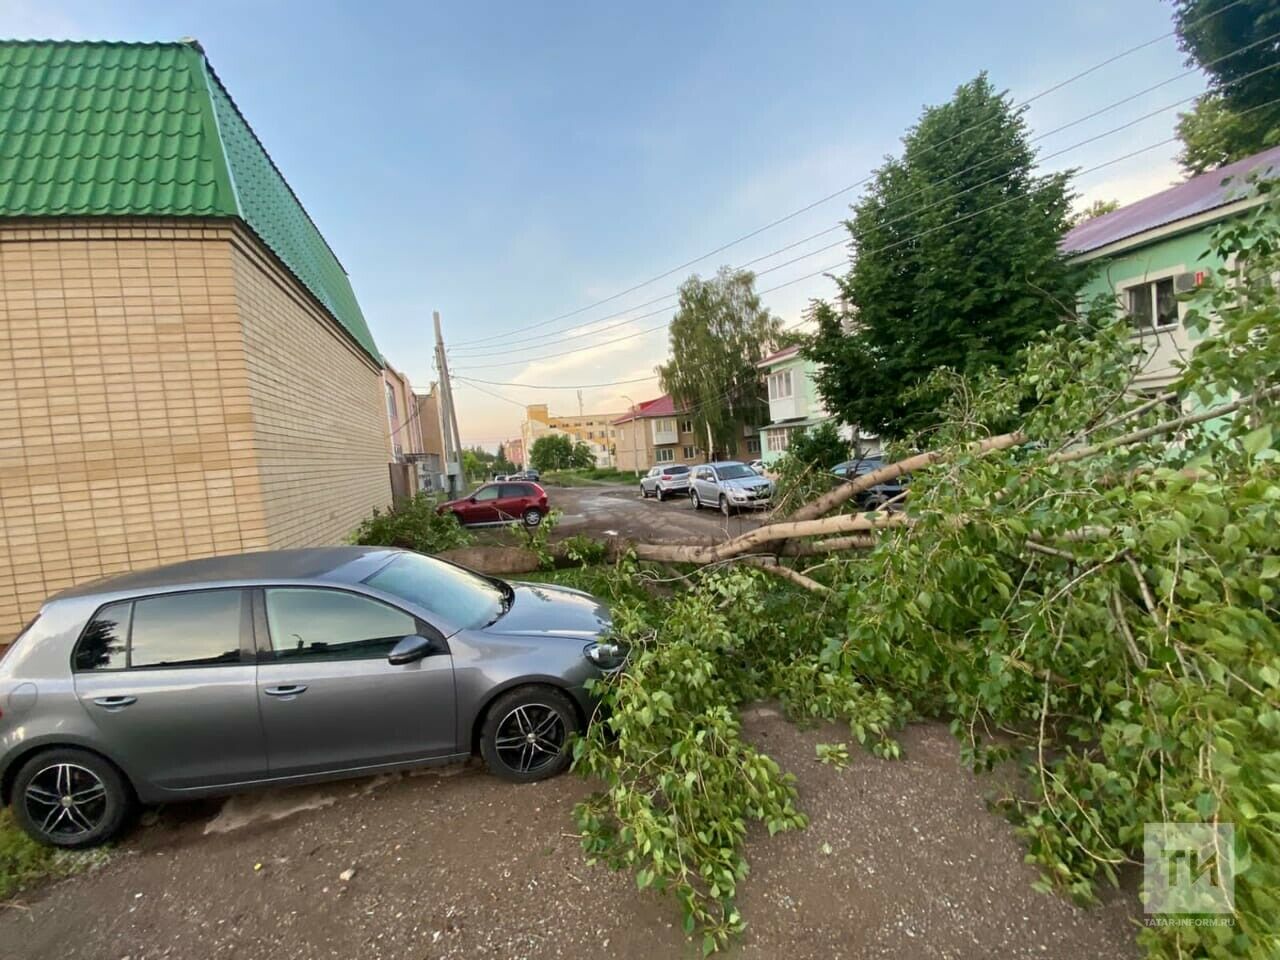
point(507, 163)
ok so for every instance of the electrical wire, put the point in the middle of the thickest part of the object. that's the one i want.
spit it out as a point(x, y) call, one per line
point(831, 196)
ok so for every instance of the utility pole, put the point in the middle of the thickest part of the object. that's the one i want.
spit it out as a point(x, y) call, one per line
point(448, 415)
point(579, 404)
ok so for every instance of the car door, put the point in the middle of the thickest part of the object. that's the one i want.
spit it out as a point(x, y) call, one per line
point(706, 483)
point(481, 506)
point(648, 481)
point(170, 683)
point(512, 500)
point(329, 698)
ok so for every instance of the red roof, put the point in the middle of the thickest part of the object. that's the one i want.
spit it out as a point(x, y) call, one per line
point(1198, 195)
point(664, 406)
point(783, 354)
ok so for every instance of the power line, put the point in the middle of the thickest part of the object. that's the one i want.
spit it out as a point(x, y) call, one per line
point(913, 212)
point(831, 196)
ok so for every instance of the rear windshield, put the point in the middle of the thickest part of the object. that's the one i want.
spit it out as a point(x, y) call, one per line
point(676, 468)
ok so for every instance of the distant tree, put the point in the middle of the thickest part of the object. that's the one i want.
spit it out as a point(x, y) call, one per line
point(820, 446)
point(582, 458)
point(719, 333)
point(1096, 209)
point(552, 452)
point(502, 452)
point(473, 467)
point(1231, 42)
point(955, 264)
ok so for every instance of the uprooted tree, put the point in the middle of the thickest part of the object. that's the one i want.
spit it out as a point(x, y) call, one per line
point(1091, 596)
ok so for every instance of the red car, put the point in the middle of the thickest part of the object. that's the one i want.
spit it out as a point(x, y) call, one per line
point(505, 502)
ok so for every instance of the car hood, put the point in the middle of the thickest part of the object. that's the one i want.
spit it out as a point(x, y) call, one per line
point(543, 610)
point(745, 483)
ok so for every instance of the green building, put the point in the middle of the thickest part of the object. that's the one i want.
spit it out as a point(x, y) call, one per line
point(1149, 252)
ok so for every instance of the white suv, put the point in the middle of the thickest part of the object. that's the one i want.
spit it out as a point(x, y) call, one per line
point(729, 485)
point(665, 479)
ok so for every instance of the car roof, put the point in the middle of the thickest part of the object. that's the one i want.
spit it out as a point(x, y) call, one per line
point(726, 463)
point(339, 564)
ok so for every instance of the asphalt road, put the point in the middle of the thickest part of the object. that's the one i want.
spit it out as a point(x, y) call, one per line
point(615, 510)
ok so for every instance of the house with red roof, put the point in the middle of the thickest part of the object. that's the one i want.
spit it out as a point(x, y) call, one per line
point(661, 431)
point(1149, 252)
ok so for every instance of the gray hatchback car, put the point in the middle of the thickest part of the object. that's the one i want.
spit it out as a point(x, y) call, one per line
point(229, 673)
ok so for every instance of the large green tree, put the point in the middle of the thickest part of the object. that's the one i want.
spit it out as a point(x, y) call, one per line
point(1239, 115)
point(955, 264)
point(719, 333)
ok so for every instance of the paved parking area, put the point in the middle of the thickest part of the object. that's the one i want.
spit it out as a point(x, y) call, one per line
point(902, 859)
point(617, 510)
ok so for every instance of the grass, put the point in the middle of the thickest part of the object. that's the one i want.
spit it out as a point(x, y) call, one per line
point(588, 478)
point(25, 864)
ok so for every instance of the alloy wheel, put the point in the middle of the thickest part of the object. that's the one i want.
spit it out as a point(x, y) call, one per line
point(532, 518)
point(66, 801)
point(530, 737)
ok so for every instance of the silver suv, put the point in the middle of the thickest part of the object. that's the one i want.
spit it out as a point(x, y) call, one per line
point(282, 667)
point(729, 485)
point(665, 479)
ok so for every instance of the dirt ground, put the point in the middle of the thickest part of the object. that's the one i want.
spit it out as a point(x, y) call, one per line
point(902, 859)
point(616, 510)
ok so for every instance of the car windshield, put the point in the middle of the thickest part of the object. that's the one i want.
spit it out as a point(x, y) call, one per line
point(735, 471)
point(458, 596)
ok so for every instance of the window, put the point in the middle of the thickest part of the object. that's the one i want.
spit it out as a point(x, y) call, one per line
point(462, 598)
point(1152, 306)
point(305, 623)
point(688, 453)
point(704, 473)
point(686, 426)
point(753, 444)
point(103, 645)
point(735, 471)
point(780, 385)
point(186, 629)
point(487, 493)
point(778, 440)
point(516, 490)
point(678, 470)
point(664, 455)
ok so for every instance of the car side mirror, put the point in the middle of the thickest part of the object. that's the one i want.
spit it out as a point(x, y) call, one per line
point(471, 499)
point(411, 649)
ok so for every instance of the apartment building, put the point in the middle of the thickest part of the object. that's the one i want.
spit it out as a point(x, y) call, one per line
point(184, 367)
point(594, 429)
point(659, 431)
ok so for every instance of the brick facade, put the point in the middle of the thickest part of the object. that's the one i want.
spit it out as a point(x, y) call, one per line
point(167, 391)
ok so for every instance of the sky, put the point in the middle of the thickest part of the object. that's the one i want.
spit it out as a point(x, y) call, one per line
point(510, 164)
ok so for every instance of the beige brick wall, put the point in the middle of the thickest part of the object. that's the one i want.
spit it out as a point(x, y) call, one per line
point(125, 427)
point(165, 395)
point(319, 410)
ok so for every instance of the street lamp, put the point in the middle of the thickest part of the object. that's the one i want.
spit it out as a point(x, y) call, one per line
point(635, 430)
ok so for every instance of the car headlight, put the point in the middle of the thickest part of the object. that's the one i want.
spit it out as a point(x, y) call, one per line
point(606, 656)
point(738, 494)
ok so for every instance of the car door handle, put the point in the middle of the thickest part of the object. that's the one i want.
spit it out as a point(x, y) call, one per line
point(287, 690)
point(115, 702)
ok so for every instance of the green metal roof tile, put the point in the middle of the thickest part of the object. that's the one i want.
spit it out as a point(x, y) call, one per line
point(148, 129)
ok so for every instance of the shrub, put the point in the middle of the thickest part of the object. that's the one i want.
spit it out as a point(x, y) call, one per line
point(413, 525)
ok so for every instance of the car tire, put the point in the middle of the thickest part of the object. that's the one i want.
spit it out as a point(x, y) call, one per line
point(661, 494)
point(724, 505)
point(508, 723)
point(106, 798)
point(693, 496)
point(644, 493)
point(531, 517)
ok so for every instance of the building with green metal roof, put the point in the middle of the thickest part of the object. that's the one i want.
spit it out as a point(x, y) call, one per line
point(184, 367)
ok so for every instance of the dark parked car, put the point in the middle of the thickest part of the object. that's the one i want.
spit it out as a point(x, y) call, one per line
point(505, 502)
point(217, 675)
point(531, 474)
point(875, 496)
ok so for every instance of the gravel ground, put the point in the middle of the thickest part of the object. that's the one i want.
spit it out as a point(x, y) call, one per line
point(902, 859)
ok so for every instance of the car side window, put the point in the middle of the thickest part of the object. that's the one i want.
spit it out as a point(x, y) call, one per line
point(307, 623)
point(104, 645)
point(187, 629)
point(487, 493)
point(514, 490)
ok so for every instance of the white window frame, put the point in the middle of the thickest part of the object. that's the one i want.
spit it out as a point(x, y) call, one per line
point(1150, 281)
point(664, 455)
point(780, 385)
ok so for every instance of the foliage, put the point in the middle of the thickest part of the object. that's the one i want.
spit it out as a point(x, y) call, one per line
point(537, 539)
point(25, 863)
point(833, 754)
point(820, 446)
point(1096, 209)
point(587, 478)
point(413, 525)
point(557, 451)
point(680, 784)
point(1238, 116)
point(1115, 617)
point(956, 265)
point(718, 335)
point(583, 549)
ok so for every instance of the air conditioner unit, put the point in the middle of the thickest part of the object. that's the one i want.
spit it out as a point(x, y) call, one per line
point(1186, 282)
